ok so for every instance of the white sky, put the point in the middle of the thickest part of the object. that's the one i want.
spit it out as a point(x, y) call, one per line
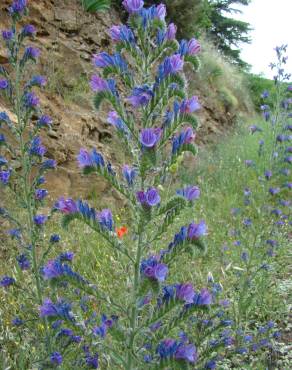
point(271, 21)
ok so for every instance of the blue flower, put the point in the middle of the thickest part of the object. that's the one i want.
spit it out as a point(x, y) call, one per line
point(39, 81)
point(28, 30)
point(190, 193)
point(55, 238)
point(5, 176)
point(141, 95)
point(3, 161)
point(18, 7)
point(49, 164)
point(60, 309)
point(40, 194)
point(23, 262)
point(186, 136)
point(17, 321)
point(3, 84)
point(122, 34)
point(153, 269)
point(150, 198)
point(36, 148)
point(133, 6)
point(56, 358)
point(196, 231)
point(105, 219)
point(149, 137)
point(31, 52)
point(129, 174)
point(6, 281)
point(39, 220)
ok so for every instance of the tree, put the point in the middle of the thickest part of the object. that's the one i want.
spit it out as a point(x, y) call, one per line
point(227, 32)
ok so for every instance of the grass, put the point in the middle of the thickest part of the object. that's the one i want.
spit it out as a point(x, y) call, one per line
point(222, 176)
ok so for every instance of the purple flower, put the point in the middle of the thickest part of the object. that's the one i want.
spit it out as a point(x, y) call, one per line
point(161, 12)
point(40, 194)
point(186, 352)
point(23, 262)
point(56, 358)
point(39, 220)
point(268, 174)
point(105, 219)
point(254, 128)
point(171, 65)
point(7, 35)
point(193, 47)
point(203, 298)
point(36, 147)
point(102, 60)
point(28, 30)
point(39, 81)
point(129, 174)
point(185, 292)
point(190, 193)
point(17, 7)
point(152, 269)
point(17, 321)
point(31, 53)
point(60, 309)
point(98, 84)
point(122, 33)
point(141, 96)
point(190, 105)
point(274, 191)
point(114, 120)
point(2, 139)
point(3, 84)
point(149, 137)
point(288, 159)
point(55, 238)
point(105, 324)
point(167, 348)
point(31, 100)
point(84, 159)
point(52, 269)
point(184, 137)
point(44, 121)
point(6, 281)
point(66, 206)
point(66, 256)
point(196, 231)
point(265, 94)
point(5, 176)
point(150, 198)
point(249, 162)
point(48, 164)
point(247, 222)
point(133, 6)
point(171, 32)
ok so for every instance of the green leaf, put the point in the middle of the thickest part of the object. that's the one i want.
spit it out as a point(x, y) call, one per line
point(103, 95)
point(93, 6)
point(194, 61)
point(176, 202)
point(176, 124)
point(113, 70)
point(184, 148)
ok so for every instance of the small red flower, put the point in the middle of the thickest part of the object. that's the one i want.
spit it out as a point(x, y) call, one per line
point(121, 231)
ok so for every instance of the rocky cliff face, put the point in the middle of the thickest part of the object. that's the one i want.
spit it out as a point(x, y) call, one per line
point(67, 38)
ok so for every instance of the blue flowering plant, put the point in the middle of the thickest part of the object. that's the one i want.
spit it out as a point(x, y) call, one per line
point(258, 246)
point(154, 119)
point(23, 165)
